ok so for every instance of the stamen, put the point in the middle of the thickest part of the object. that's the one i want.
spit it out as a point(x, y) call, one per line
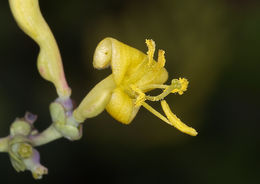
point(179, 125)
point(172, 118)
point(176, 122)
point(161, 58)
point(153, 86)
point(175, 85)
point(183, 82)
point(156, 113)
point(151, 48)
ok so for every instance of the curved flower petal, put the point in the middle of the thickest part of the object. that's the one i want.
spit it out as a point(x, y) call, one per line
point(121, 107)
point(120, 56)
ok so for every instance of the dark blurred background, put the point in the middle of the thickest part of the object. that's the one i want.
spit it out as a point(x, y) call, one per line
point(215, 44)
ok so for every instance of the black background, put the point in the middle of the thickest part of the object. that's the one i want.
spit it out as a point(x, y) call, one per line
point(215, 44)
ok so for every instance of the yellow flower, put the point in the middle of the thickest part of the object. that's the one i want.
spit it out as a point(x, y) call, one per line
point(123, 92)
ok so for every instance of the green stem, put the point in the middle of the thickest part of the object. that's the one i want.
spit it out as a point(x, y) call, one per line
point(48, 135)
point(4, 144)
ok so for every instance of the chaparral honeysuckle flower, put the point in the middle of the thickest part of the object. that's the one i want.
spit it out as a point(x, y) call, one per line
point(123, 92)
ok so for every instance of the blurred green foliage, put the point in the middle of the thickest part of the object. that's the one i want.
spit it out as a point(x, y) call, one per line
point(215, 44)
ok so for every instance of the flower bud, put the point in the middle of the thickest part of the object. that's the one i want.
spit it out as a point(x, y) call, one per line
point(64, 123)
point(29, 18)
point(20, 127)
point(24, 157)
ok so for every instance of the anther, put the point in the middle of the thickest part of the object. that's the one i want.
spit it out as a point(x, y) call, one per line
point(161, 58)
point(151, 48)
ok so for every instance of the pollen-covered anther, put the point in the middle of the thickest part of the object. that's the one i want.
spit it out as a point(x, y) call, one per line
point(151, 48)
point(161, 58)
